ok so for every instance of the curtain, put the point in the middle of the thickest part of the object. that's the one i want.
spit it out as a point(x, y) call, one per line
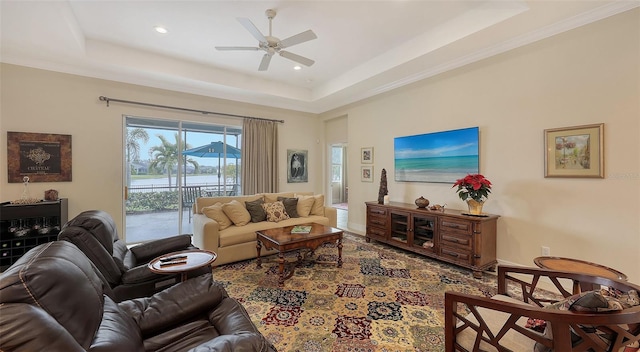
point(259, 156)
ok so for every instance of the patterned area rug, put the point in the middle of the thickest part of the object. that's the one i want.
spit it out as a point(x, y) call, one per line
point(382, 299)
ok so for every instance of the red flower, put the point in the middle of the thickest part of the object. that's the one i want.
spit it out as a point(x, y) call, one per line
point(474, 186)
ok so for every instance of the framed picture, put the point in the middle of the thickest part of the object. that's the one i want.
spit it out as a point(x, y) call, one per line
point(297, 170)
point(366, 173)
point(40, 156)
point(366, 155)
point(574, 151)
point(442, 157)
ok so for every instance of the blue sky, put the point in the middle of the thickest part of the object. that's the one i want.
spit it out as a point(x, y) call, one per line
point(439, 144)
point(194, 139)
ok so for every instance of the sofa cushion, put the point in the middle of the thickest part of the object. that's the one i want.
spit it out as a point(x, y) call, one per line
point(236, 212)
point(291, 206)
point(202, 202)
point(275, 211)
point(318, 205)
point(216, 213)
point(305, 204)
point(273, 197)
point(256, 210)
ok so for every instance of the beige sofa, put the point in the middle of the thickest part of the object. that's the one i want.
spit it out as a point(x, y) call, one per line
point(235, 243)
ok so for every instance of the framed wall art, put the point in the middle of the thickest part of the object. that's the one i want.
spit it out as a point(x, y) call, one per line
point(366, 155)
point(40, 156)
point(574, 151)
point(297, 169)
point(366, 173)
point(440, 157)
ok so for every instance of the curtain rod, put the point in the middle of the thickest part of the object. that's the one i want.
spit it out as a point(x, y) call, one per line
point(204, 112)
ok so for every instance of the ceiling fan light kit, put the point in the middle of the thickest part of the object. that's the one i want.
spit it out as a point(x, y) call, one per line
point(272, 45)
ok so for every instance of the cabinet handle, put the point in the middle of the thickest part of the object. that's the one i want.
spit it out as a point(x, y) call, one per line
point(455, 240)
point(456, 255)
point(455, 225)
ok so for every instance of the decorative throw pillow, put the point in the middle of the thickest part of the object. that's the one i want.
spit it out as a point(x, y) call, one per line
point(275, 211)
point(215, 212)
point(603, 300)
point(291, 206)
point(256, 210)
point(237, 213)
point(318, 205)
point(305, 204)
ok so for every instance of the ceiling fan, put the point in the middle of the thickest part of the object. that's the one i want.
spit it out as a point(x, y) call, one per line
point(272, 45)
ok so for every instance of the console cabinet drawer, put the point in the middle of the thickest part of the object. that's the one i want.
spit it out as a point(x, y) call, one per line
point(457, 240)
point(377, 217)
point(456, 254)
point(456, 226)
point(376, 232)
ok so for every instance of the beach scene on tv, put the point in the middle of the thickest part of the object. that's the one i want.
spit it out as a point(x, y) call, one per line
point(437, 157)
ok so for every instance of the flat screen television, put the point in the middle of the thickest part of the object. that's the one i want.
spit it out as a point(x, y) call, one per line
point(437, 157)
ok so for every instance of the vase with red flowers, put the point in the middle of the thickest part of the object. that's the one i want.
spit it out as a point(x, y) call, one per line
point(474, 189)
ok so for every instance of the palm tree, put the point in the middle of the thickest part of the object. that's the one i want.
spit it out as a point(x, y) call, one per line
point(165, 156)
point(132, 145)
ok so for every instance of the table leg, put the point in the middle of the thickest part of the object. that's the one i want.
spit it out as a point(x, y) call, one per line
point(280, 269)
point(339, 252)
point(258, 259)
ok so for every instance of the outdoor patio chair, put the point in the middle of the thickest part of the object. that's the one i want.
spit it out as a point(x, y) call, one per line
point(189, 195)
point(126, 270)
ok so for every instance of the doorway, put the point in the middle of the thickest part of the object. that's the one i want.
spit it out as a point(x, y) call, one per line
point(165, 172)
point(339, 182)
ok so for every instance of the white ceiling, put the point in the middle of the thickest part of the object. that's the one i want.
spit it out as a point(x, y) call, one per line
point(363, 47)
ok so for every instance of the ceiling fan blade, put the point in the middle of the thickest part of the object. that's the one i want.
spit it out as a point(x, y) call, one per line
point(255, 32)
point(264, 64)
point(297, 39)
point(297, 58)
point(224, 48)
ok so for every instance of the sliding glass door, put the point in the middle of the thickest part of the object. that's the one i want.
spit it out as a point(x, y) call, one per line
point(167, 165)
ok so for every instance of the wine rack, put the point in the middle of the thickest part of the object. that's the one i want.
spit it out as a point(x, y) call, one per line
point(24, 226)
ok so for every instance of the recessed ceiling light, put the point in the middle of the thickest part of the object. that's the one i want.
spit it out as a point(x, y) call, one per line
point(297, 67)
point(160, 29)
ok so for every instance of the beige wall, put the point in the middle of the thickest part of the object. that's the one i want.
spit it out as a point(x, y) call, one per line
point(588, 75)
point(47, 102)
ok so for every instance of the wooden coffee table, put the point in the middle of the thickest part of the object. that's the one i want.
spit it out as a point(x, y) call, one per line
point(182, 262)
point(284, 241)
point(578, 266)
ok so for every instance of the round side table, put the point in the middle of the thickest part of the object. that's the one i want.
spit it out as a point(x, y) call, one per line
point(578, 266)
point(182, 262)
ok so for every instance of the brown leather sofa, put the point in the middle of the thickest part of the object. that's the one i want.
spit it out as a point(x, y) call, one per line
point(54, 299)
point(94, 233)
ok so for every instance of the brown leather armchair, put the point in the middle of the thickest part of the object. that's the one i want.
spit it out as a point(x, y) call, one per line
point(94, 233)
point(54, 299)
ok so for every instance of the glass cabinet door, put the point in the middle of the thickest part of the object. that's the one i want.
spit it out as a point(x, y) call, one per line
point(423, 232)
point(400, 227)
